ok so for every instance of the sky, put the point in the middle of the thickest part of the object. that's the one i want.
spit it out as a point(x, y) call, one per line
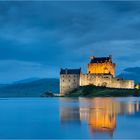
point(37, 38)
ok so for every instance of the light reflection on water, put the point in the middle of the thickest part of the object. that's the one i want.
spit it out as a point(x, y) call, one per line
point(99, 114)
point(69, 118)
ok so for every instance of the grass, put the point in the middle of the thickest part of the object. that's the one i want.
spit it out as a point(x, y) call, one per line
point(94, 91)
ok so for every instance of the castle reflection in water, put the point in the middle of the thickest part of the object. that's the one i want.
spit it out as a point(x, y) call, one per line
point(99, 113)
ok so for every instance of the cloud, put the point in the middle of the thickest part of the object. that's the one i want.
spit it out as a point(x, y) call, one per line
point(65, 34)
point(17, 70)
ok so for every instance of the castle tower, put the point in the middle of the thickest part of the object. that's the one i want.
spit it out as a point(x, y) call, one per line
point(101, 65)
point(69, 80)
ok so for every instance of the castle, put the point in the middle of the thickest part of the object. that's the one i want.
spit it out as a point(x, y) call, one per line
point(100, 72)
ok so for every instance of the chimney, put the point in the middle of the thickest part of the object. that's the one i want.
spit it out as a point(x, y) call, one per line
point(92, 57)
point(61, 70)
point(110, 56)
point(80, 70)
point(66, 70)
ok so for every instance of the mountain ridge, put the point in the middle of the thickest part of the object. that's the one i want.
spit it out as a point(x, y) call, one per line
point(131, 73)
point(30, 89)
point(35, 87)
point(27, 80)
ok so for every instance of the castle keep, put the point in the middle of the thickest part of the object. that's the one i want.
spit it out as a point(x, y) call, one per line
point(100, 72)
point(101, 65)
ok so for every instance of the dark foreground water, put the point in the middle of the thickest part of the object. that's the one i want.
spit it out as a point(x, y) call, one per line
point(54, 118)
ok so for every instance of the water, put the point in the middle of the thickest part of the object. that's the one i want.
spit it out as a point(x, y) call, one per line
point(69, 118)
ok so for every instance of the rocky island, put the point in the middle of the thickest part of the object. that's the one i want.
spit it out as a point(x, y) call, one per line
point(96, 91)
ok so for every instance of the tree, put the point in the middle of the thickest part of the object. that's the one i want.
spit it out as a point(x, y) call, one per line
point(47, 94)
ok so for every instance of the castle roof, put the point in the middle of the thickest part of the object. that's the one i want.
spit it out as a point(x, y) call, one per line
point(100, 59)
point(70, 71)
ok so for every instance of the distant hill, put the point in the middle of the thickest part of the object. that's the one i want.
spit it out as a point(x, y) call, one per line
point(34, 87)
point(131, 74)
point(30, 89)
point(28, 80)
point(3, 85)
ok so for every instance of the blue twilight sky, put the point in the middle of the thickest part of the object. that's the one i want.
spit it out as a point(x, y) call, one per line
point(38, 38)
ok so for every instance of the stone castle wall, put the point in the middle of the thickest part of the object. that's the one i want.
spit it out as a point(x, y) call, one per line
point(69, 82)
point(93, 79)
point(105, 80)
